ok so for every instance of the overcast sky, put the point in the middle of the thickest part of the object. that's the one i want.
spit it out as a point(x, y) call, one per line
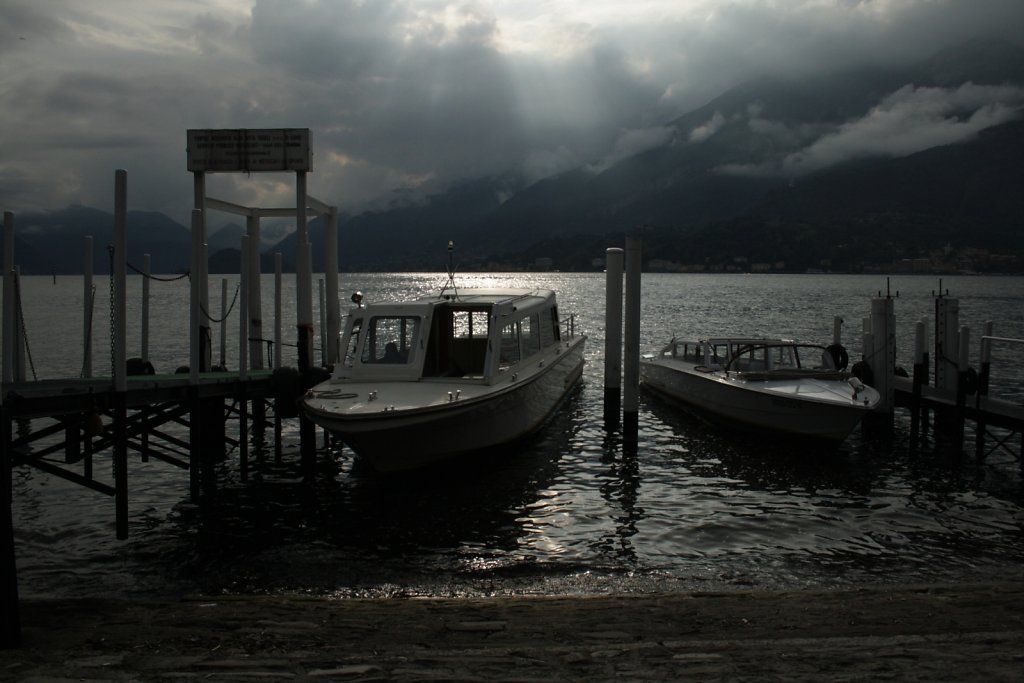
point(402, 95)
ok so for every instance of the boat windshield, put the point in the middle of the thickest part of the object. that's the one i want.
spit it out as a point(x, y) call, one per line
point(390, 339)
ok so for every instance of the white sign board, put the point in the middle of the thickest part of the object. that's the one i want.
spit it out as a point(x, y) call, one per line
point(249, 149)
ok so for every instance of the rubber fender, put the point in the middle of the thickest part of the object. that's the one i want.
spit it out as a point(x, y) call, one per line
point(840, 358)
point(137, 366)
point(971, 381)
point(862, 371)
point(286, 387)
point(313, 376)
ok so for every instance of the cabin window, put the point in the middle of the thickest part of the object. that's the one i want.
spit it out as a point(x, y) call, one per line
point(555, 323)
point(529, 333)
point(457, 344)
point(469, 324)
point(509, 354)
point(390, 339)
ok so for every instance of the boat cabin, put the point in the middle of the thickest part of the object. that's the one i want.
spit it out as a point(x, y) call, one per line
point(753, 355)
point(476, 335)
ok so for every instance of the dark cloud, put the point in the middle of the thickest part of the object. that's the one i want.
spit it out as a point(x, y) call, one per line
point(407, 96)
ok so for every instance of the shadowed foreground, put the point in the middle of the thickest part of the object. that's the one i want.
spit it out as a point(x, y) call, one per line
point(907, 633)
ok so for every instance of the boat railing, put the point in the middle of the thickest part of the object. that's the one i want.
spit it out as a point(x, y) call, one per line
point(569, 326)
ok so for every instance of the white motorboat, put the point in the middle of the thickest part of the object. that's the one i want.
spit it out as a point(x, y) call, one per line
point(448, 375)
point(774, 385)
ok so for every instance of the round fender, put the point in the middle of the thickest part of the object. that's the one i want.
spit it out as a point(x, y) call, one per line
point(840, 358)
point(862, 371)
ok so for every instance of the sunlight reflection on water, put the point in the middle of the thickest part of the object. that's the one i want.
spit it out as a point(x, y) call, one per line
point(570, 510)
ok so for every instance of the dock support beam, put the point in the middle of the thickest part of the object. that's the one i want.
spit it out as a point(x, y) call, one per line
point(10, 624)
point(613, 338)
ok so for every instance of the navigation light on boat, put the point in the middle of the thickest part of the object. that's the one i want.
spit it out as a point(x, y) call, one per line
point(357, 299)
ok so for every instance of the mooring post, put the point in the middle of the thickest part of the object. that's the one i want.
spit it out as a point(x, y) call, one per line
point(983, 379)
point(304, 322)
point(920, 375)
point(243, 361)
point(613, 338)
point(120, 369)
point(961, 387)
point(947, 324)
point(144, 350)
point(277, 351)
point(321, 299)
point(195, 354)
point(631, 366)
point(10, 325)
point(223, 323)
point(10, 623)
point(255, 312)
point(837, 330)
point(88, 298)
point(883, 363)
point(333, 323)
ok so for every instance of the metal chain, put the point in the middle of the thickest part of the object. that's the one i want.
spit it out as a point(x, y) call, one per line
point(158, 279)
point(230, 308)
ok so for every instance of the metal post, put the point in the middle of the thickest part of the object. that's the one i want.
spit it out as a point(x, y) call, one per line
point(120, 369)
point(10, 623)
point(277, 350)
point(87, 309)
point(255, 303)
point(920, 378)
point(223, 323)
point(961, 387)
point(243, 362)
point(277, 310)
point(146, 266)
point(323, 322)
point(983, 378)
point(631, 365)
point(883, 353)
point(195, 353)
point(9, 308)
point(333, 323)
point(613, 337)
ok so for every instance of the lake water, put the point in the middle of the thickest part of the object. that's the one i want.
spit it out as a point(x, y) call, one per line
point(568, 512)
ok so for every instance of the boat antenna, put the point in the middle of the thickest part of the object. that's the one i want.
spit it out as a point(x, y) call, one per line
point(451, 271)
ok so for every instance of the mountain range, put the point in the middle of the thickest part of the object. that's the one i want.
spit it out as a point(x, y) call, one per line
point(771, 172)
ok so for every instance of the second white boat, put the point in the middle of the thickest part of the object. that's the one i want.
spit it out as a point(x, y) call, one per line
point(773, 385)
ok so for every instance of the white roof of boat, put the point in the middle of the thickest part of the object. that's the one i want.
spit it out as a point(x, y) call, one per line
point(493, 295)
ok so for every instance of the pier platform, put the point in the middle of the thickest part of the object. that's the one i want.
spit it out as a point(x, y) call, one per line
point(906, 633)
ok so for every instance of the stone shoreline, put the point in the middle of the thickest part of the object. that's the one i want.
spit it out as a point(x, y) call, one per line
point(934, 633)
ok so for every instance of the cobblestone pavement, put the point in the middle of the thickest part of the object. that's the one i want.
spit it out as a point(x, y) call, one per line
point(933, 633)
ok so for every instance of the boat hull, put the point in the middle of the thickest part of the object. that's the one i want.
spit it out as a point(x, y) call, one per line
point(812, 409)
point(405, 439)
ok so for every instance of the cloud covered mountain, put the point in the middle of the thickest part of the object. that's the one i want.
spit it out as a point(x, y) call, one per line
point(928, 155)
